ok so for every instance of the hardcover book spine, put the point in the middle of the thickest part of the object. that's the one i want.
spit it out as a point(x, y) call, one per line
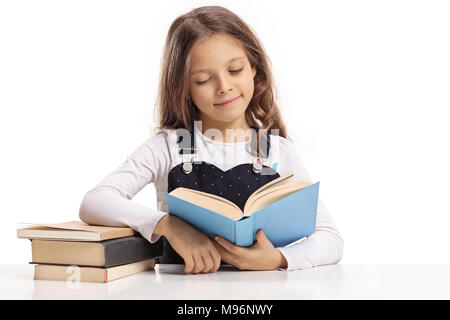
point(244, 232)
point(130, 249)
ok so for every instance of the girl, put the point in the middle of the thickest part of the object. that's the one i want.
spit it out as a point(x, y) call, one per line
point(214, 73)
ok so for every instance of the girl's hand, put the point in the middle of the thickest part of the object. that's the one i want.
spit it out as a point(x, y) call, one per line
point(262, 255)
point(197, 250)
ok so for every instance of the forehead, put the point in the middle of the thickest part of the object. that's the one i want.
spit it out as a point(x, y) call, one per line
point(215, 51)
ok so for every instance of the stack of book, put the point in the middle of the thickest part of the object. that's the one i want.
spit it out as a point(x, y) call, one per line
point(75, 251)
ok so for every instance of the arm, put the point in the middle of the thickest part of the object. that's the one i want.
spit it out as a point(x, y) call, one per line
point(109, 202)
point(324, 246)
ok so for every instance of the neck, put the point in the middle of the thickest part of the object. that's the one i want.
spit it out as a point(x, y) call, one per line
point(228, 132)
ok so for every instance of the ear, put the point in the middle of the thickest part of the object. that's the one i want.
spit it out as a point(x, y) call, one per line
point(254, 71)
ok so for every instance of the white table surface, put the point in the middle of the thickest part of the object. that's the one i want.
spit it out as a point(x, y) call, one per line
point(341, 281)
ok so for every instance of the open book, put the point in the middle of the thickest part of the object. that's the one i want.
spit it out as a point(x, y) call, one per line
point(264, 196)
point(285, 209)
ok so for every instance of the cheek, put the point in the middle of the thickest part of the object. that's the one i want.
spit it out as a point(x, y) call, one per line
point(200, 95)
point(248, 84)
point(196, 91)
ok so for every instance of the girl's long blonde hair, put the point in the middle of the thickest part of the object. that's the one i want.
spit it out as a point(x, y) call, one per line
point(175, 108)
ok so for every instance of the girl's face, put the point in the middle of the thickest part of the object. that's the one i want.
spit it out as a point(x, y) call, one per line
point(220, 71)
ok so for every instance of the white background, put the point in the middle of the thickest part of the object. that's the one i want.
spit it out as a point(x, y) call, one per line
point(364, 91)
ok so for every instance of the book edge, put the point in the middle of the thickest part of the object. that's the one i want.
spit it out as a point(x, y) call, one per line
point(107, 273)
point(36, 233)
point(234, 205)
point(76, 226)
point(273, 203)
point(286, 176)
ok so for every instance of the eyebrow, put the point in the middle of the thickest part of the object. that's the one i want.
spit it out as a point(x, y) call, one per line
point(203, 70)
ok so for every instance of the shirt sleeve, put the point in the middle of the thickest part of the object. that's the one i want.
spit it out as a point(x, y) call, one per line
point(109, 202)
point(325, 245)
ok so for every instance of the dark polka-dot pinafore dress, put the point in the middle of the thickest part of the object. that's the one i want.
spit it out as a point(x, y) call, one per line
point(235, 184)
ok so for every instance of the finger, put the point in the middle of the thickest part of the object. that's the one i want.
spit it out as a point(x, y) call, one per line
point(189, 264)
point(207, 263)
point(261, 236)
point(220, 250)
point(198, 263)
point(228, 245)
point(215, 256)
point(225, 255)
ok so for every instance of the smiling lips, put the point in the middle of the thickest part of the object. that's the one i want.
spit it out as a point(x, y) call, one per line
point(228, 102)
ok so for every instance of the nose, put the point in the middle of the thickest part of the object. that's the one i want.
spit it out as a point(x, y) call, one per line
point(224, 85)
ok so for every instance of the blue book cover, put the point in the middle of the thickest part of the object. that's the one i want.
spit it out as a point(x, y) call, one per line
point(284, 221)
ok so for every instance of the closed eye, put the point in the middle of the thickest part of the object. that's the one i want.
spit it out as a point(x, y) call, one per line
point(236, 71)
point(232, 71)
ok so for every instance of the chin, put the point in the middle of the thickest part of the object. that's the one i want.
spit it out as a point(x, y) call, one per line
point(226, 115)
point(229, 116)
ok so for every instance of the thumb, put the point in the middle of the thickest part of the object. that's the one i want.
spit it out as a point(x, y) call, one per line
point(261, 236)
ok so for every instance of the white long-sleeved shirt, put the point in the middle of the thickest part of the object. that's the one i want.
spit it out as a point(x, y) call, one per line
point(110, 201)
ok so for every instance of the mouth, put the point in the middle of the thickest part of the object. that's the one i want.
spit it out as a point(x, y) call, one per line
point(228, 102)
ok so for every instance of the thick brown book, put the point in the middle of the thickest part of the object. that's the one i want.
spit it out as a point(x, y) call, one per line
point(73, 230)
point(107, 253)
point(90, 274)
